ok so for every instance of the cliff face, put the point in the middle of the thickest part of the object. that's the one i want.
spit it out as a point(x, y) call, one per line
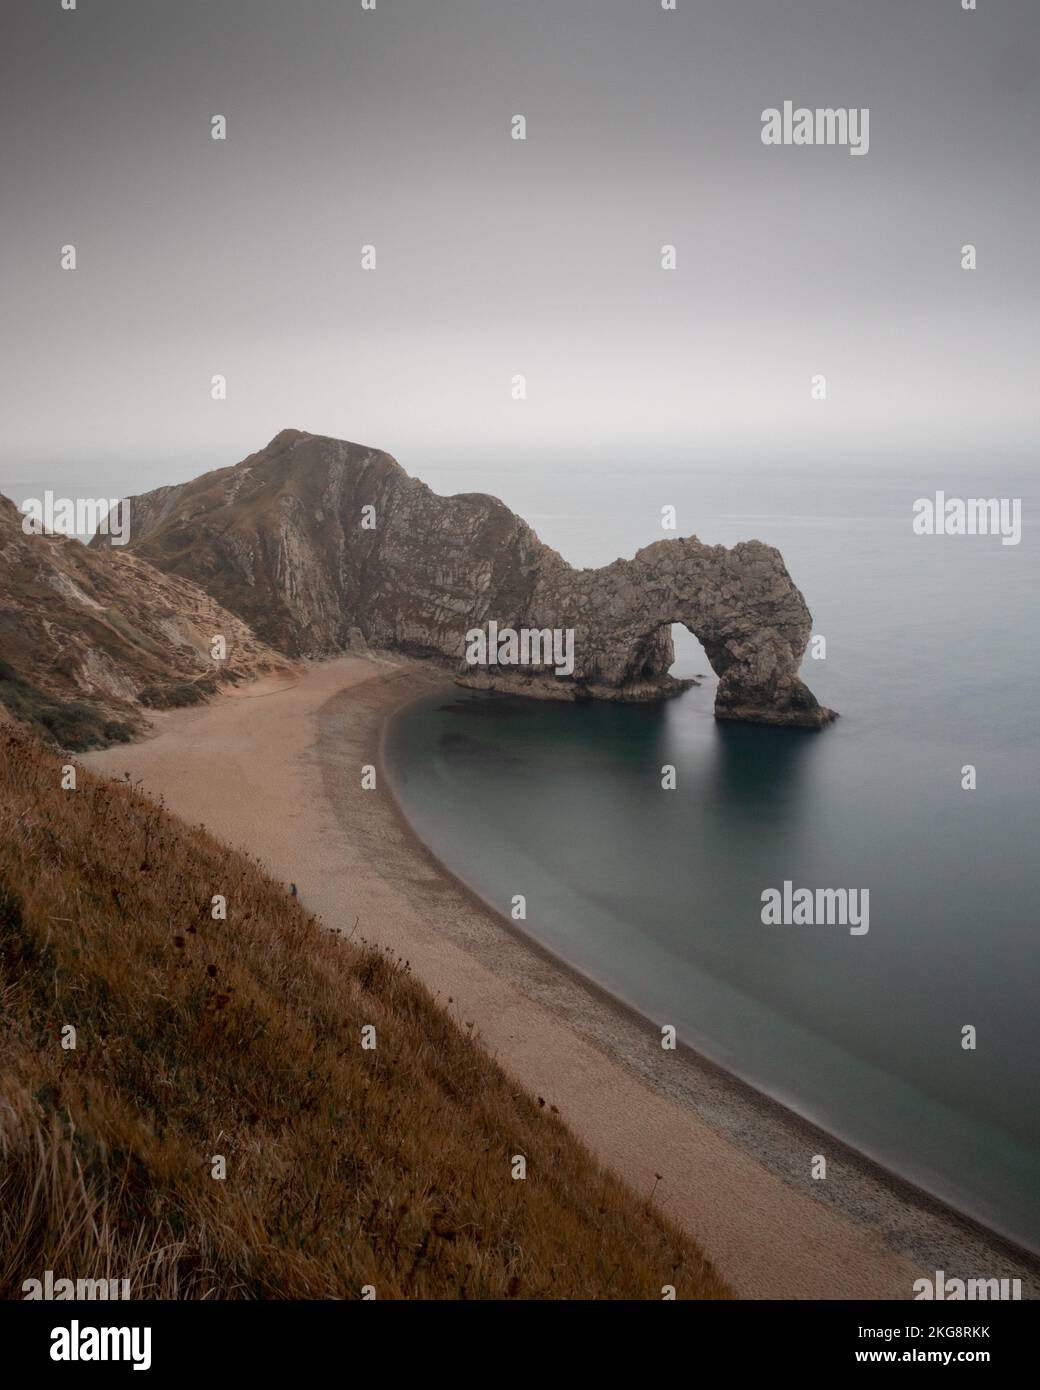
point(284, 540)
point(89, 637)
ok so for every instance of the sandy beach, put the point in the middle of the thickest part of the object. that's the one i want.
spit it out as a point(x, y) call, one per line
point(274, 768)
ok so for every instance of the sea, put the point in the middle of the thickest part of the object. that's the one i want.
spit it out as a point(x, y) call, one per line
point(918, 1041)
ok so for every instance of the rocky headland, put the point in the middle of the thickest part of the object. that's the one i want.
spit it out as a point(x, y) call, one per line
point(322, 546)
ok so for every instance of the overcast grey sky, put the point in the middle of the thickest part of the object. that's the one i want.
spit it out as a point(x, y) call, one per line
point(496, 257)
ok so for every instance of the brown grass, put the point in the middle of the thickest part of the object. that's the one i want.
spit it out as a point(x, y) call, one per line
point(197, 1037)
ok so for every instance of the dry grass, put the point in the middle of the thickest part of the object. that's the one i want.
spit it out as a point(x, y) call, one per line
point(197, 1037)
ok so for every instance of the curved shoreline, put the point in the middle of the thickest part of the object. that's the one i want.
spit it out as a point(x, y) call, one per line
point(758, 1097)
point(725, 1162)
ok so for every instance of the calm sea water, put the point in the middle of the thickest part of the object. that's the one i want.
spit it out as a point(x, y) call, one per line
point(932, 662)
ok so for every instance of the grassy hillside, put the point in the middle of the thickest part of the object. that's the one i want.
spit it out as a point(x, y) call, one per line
point(197, 1037)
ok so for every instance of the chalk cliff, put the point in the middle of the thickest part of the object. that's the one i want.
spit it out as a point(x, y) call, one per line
point(90, 640)
point(323, 546)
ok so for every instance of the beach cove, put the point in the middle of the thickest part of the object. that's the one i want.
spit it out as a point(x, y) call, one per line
point(275, 769)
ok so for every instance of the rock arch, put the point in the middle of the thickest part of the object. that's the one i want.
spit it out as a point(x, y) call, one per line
point(276, 540)
point(740, 604)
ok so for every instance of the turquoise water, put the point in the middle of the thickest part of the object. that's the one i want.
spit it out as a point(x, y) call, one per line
point(932, 662)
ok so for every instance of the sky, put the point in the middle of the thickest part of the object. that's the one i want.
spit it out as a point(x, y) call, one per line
point(391, 127)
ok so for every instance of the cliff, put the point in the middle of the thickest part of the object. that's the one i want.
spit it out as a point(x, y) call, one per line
point(90, 638)
point(321, 545)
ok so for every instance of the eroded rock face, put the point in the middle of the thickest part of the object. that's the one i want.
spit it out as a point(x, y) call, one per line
point(279, 539)
point(107, 631)
point(741, 604)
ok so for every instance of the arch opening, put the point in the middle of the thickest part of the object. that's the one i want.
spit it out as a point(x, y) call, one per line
point(690, 660)
point(671, 657)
